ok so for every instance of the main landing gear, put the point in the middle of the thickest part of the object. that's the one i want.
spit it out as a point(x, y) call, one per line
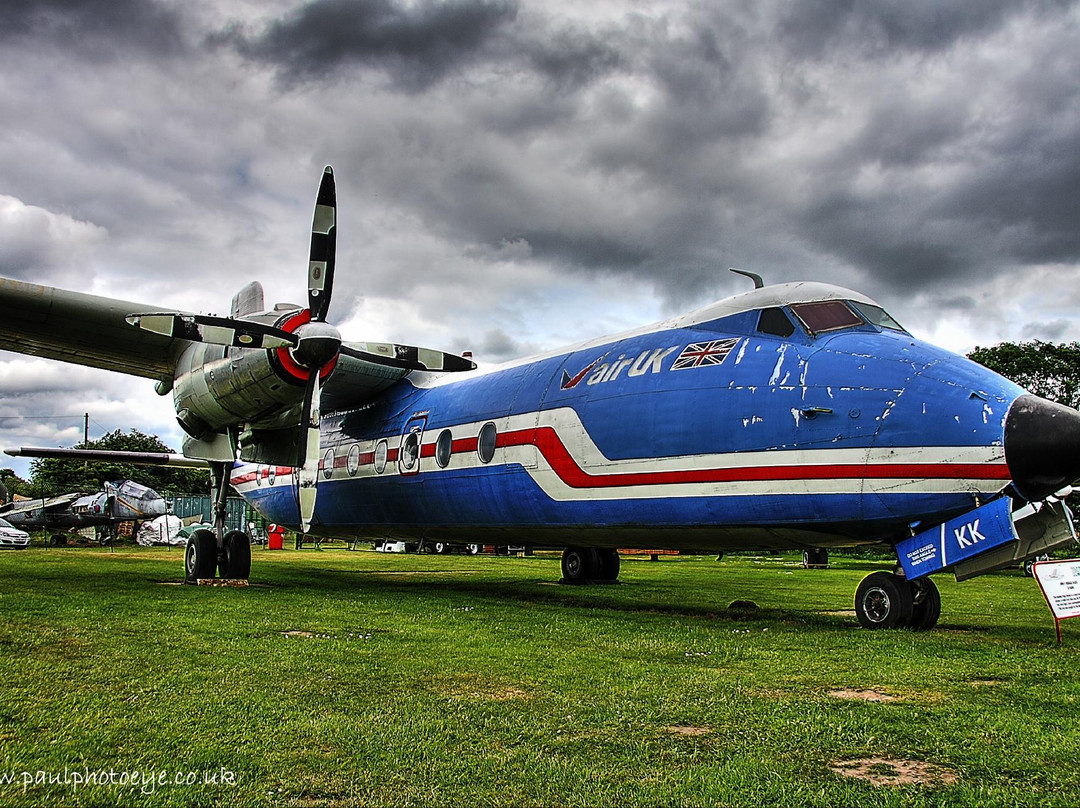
point(886, 600)
point(211, 551)
point(583, 565)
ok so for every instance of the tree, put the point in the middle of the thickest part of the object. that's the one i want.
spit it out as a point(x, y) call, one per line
point(13, 484)
point(1044, 368)
point(52, 477)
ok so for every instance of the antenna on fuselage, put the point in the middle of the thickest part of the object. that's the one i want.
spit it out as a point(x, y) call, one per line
point(758, 282)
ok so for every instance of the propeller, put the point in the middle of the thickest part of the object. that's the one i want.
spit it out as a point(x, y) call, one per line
point(314, 345)
point(318, 342)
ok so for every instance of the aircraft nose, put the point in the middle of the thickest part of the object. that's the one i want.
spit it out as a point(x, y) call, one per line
point(1042, 446)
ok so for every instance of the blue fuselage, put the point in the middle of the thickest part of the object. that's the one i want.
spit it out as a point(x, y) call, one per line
point(712, 435)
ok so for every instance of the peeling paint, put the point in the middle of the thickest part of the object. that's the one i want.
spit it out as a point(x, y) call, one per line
point(779, 362)
point(742, 351)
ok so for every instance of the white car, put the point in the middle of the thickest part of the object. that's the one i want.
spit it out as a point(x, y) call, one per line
point(390, 547)
point(11, 536)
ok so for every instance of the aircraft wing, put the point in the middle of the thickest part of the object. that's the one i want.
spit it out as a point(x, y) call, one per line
point(82, 329)
point(90, 330)
point(51, 504)
point(355, 381)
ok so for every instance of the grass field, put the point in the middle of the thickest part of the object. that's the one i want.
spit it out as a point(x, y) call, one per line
point(356, 678)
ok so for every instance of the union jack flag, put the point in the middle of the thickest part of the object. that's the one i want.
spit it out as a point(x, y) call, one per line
point(700, 354)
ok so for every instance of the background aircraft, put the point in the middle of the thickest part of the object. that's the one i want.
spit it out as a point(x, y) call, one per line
point(792, 416)
point(124, 501)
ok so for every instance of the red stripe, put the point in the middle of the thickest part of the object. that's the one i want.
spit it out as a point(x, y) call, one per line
point(547, 441)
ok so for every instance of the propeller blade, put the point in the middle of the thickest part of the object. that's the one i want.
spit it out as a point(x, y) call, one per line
point(406, 356)
point(213, 330)
point(311, 451)
point(323, 248)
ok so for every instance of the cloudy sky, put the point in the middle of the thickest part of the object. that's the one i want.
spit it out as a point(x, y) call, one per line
point(516, 174)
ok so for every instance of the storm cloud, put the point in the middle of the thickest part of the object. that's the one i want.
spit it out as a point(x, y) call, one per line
point(514, 175)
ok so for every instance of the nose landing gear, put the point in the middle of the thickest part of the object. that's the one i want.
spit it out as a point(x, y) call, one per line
point(885, 600)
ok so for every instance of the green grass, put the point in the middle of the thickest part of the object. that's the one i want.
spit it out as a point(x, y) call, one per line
point(424, 680)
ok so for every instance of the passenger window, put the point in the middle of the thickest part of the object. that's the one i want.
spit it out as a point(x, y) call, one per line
point(775, 322)
point(485, 445)
point(444, 447)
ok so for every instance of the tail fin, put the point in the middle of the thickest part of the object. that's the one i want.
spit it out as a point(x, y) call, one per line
point(248, 300)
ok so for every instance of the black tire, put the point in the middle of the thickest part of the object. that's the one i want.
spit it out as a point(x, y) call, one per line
point(579, 565)
point(607, 568)
point(200, 556)
point(58, 540)
point(926, 604)
point(883, 600)
point(472, 549)
point(440, 548)
point(235, 561)
point(815, 558)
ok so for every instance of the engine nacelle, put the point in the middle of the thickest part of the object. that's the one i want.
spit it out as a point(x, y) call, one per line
point(219, 389)
point(216, 388)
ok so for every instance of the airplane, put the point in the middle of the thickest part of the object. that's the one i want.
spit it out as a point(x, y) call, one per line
point(122, 501)
point(791, 416)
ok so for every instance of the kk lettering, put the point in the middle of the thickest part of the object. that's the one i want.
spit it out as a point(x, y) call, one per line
point(968, 534)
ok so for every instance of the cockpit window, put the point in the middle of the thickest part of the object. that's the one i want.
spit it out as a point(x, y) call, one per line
point(775, 322)
point(876, 315)
point(829, 315)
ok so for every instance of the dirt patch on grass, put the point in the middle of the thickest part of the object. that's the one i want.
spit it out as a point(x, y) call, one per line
point(862, 695)
point(227, 583)
point(320, 635)
point(477, 689)
point(894, 772)
point(492, 693)
point(687, 731)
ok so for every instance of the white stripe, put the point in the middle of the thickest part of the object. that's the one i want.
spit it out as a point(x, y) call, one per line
point(592, 461)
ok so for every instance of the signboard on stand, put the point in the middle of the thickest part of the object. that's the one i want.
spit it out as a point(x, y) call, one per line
point(1060, 584)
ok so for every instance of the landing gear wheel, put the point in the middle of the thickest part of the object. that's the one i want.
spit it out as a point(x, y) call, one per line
point(608, 566)
point(440, 548)
point(579, 565)
point(472, 549)
point(235, 559)
point(58, 540)
point(883, 600)
point(200, 556)
point(815, 558)
point(926, 608)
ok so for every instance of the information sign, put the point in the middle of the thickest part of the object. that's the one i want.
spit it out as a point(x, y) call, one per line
point(1060, 584)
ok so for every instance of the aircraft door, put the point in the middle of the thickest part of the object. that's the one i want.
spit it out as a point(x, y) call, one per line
point(410, 448)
